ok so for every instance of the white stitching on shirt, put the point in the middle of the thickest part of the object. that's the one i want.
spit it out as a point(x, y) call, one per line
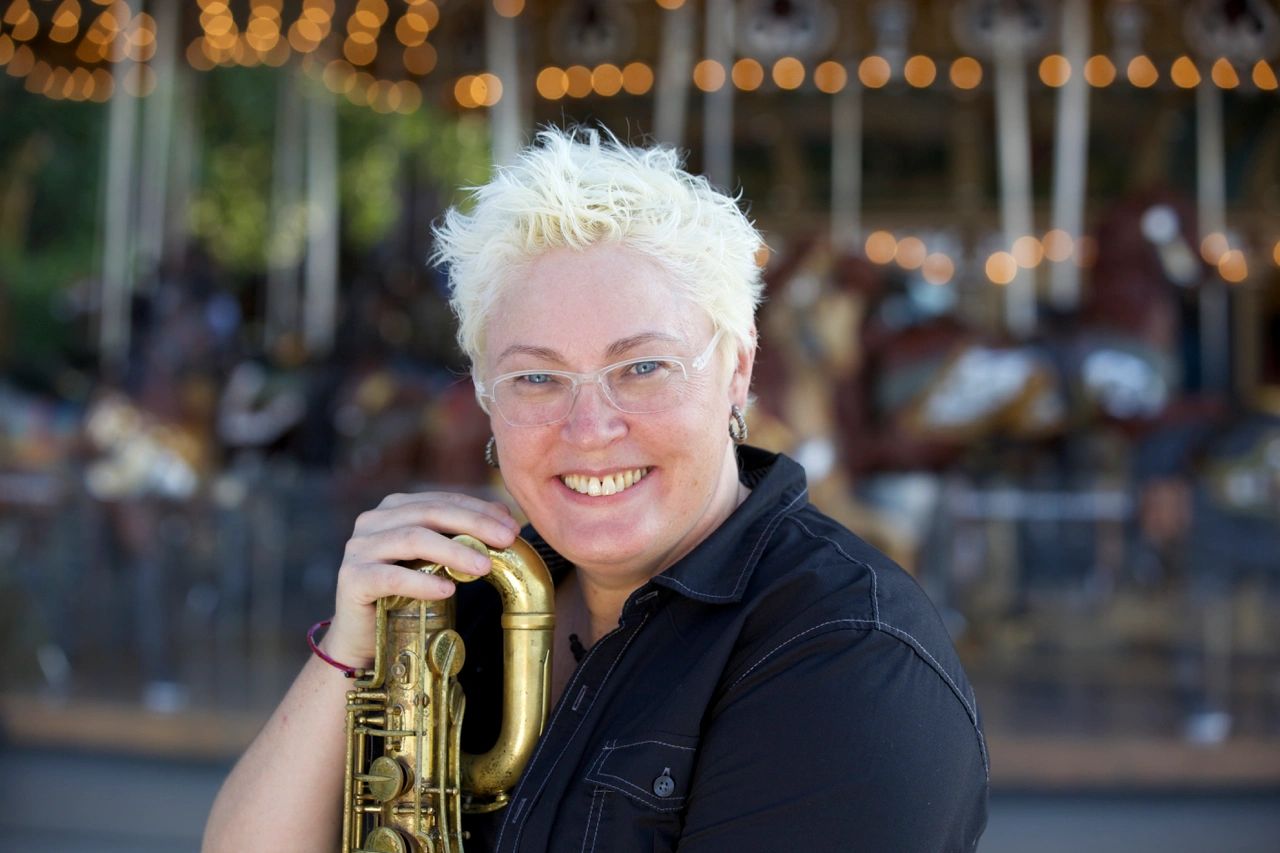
point(593, 819)
point(765, 535)
point(644, 796)
point(542, 741)
point(875, 586)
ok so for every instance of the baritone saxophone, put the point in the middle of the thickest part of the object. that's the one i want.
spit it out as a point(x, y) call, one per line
point(407, 781)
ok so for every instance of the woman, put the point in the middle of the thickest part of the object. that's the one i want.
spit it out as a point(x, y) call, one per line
point(733, 670)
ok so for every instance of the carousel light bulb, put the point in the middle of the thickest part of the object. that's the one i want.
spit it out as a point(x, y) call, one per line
point(830, 77)
point(747, 74)
point(1028, 252)
point(1058, 245)
point(920, 71)
point(788, 73)
point(420, 59)
point(1233, 267)
point(1184, 73)
point(1055, 70)
point(880, 247)
point(1142, 72)
point(579, 81)
point(508, 8)
point(637, 78)
point(670, 5)
point(1099, 71)
point(462, 92)
point(1275, 253)
point(966, 73)
point(1224, 75)
point(910, 253)
point(552, 83)
point(1264, 77)
point(874, 72)
point(708, 75)
point(1213, 247)
point(606, 79)
point(1001, 268)
point(938, 268)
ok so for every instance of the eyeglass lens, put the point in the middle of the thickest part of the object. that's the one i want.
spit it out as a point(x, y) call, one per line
point(637, 387)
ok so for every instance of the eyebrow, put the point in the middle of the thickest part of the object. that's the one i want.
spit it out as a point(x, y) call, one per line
point(615, 349)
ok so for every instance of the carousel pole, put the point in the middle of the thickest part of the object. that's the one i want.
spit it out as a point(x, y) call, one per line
point(846, 168)
point(157, 143)
point(501, 42)
point(1211, 203)
point(1071, 151)
point(320, 268)
point(717, 106)
point(675, 65)
point(287, 183)
point(118, 203)
point(1014, 146)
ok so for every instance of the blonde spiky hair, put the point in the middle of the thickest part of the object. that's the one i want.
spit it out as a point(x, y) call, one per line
point(578, 187)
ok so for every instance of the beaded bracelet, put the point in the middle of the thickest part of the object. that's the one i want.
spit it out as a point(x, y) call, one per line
point(348, 671)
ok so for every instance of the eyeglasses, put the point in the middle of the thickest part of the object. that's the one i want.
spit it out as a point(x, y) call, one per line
point(637, 386)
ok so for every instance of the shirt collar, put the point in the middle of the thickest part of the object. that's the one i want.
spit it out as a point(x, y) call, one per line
point(716, 571)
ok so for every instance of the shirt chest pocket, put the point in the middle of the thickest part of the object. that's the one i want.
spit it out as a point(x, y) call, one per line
point(639, 789)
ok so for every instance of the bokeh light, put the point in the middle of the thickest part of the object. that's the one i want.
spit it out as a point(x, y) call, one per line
point(1184, 73)
point(920, 71)
point(830, 77)
point(708, 75)
point(788, 73)
point(1099, 71)
point(1224, 75)
point(747, 74)
point(910, 253)
point(1055, 70)
point(966, 73)
point(881, 246)
point(1001, 268)
point(874, 72)
point(938, 268)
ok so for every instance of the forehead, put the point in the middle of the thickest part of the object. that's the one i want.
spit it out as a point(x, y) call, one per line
point(578, 303)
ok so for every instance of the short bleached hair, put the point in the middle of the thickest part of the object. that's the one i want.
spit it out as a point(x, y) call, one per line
point(580, 187)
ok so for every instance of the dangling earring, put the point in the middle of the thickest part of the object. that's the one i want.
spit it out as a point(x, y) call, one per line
point(491, 452)
point(737, 425)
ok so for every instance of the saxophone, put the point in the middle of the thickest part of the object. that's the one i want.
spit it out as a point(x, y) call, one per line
point(407, 780)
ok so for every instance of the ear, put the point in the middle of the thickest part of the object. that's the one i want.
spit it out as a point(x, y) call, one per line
point(740, 381)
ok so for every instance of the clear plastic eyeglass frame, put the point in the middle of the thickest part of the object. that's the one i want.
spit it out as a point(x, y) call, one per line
point(484, 392)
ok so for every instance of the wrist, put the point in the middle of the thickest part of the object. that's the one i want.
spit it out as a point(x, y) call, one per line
point(334, 653)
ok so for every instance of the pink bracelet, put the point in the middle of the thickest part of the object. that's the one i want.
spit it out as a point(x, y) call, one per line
point(348, 671)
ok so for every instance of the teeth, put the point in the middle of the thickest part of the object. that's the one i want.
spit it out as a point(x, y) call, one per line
point(610, 484)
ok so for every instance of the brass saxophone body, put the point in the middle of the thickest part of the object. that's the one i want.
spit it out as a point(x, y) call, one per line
point(407, 780)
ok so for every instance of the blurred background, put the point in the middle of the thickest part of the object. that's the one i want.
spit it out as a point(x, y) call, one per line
point(1022, 329)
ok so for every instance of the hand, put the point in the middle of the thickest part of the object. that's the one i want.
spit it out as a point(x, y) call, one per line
point(402, 528)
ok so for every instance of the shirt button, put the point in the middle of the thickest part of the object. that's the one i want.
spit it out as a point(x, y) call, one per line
point(664, 785)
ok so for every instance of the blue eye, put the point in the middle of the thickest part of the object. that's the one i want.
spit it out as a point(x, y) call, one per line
point(534, 378)
point(645, 367)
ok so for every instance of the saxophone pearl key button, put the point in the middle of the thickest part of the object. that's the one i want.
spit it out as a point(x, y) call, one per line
point(664, 785)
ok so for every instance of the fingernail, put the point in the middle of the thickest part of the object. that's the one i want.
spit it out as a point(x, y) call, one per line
point(481, 563)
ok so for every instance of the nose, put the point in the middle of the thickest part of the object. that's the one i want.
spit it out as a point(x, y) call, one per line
point(593, 421)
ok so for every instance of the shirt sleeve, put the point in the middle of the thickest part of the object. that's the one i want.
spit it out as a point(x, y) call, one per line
point(844, 741)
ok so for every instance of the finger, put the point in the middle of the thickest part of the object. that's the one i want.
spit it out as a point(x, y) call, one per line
point(402, 544)
point(365, 583)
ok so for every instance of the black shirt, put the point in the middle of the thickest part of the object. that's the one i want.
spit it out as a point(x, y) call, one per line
point(783, 687)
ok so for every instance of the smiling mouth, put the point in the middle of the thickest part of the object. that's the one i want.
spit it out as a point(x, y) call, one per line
point(609, 484)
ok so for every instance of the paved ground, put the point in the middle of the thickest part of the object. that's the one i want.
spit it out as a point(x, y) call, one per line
point(59, 802)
